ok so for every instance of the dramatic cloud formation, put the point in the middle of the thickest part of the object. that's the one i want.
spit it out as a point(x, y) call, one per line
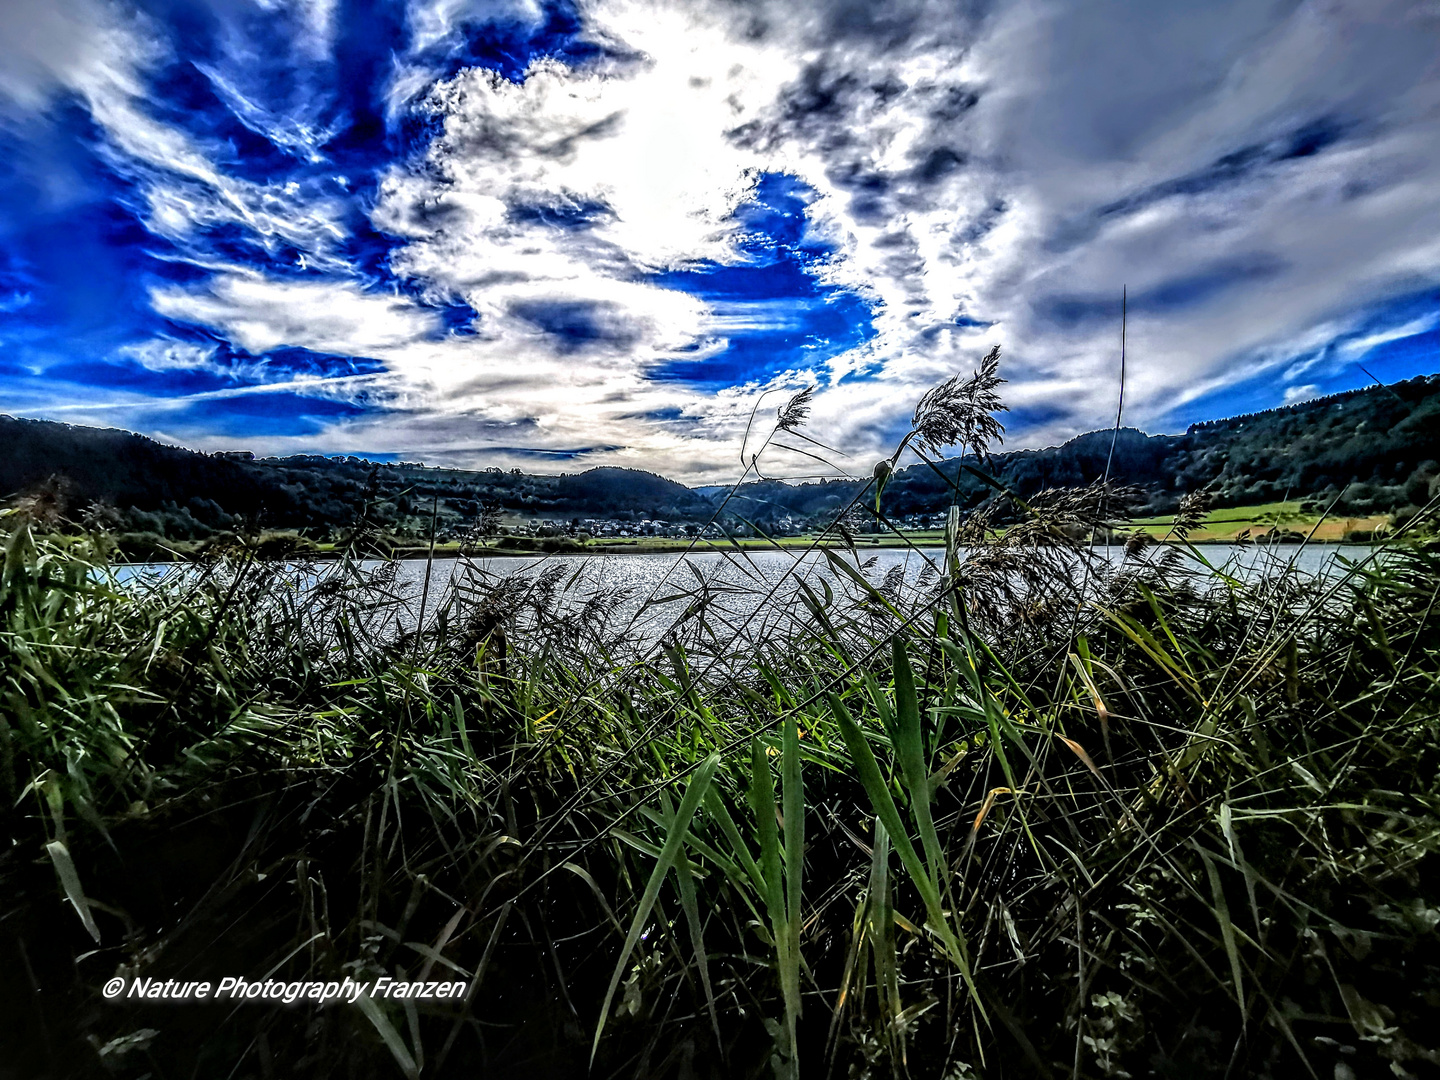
point(528, 232)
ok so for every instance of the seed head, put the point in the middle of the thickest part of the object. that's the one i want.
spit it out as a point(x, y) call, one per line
point(959, 412)
point(795, 411)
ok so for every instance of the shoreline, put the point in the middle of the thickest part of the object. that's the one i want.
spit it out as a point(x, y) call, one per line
point(456, 551)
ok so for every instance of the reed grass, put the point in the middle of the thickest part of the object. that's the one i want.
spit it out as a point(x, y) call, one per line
point(1028, 813)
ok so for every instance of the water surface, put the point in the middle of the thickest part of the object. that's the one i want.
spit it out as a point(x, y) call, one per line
point(746, 595)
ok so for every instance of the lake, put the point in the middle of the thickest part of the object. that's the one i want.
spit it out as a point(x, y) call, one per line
point(747, 596)
point(648, 592)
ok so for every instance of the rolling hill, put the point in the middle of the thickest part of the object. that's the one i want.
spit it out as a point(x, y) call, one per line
point(1370, 451)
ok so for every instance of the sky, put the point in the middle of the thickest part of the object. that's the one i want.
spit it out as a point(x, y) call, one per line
point(554, 236)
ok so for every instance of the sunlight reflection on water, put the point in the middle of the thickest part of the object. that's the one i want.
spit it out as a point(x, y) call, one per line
point(742, 584)
point(750, 595)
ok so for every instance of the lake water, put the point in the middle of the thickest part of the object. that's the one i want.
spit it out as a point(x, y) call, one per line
point(747, 596)
point(753, 592)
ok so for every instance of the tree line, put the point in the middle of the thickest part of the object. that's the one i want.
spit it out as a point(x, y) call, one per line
point(1366, 451)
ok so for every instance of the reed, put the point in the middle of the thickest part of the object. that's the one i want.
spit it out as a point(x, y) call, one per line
point(1026, 813)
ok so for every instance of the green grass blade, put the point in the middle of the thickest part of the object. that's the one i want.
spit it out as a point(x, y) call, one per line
point(691, 906)
point(70, 881)
point(762, 805)
point(881, 800)
point(882, 925)
point(793, 802)
point(393, 1042)
point(884, 806)
point(694, 792)
point(715, 804)
point(882, 706)
point(1227, 929)
point(910, 750)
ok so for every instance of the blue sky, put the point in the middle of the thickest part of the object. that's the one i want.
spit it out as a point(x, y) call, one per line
point(562, 235)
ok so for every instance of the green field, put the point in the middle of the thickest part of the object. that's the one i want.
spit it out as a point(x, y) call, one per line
point(1264, 519)
point(1231, 524)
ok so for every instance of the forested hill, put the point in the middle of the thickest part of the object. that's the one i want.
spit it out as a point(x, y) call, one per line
point(1375, 450)
point(134, 484)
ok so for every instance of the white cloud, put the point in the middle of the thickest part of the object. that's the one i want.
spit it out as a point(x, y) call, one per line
point(1236, 255)
point(48, 46)
point(1355, 348)
point(449, 397)
point(1199, 147)
point(962, 167)
point(638, 148)
point(260, 314)
point(167, 354)
point(434, 23)
point(1013, 166)
point(103, 54)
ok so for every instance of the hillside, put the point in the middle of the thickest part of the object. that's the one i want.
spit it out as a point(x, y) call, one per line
point(1374, 450)
point(134, 484)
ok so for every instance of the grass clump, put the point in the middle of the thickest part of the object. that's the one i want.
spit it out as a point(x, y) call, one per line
point(1027, 812)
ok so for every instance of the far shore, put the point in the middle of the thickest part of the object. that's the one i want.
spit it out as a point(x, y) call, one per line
point(666, 546)
point(1286, 523)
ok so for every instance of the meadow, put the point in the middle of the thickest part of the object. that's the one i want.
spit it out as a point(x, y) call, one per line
point(1035, 813)
point(1287, 521)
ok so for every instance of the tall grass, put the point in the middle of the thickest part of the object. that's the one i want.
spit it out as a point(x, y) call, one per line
point(1027, 813)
